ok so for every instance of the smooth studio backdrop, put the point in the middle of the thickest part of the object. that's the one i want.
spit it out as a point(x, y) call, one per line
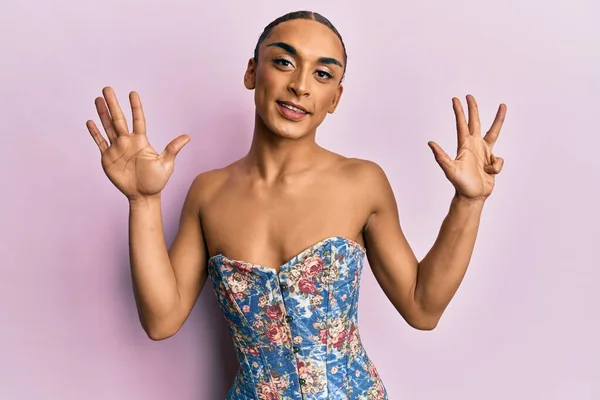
point(524, 324)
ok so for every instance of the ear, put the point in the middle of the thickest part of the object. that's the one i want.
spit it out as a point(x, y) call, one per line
point(250, 75)
point(336, 99)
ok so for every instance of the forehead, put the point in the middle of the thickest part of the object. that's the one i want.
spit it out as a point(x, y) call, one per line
point(310, 38)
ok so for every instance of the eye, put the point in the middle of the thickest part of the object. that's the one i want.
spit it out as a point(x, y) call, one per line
point(283, 62)
point(324, 74)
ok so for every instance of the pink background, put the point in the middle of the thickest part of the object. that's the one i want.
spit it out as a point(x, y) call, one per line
point(524, 324)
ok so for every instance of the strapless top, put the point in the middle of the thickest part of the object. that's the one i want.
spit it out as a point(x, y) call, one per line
point(296, 332)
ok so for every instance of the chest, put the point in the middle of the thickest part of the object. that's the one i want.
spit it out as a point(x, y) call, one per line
point(270, 226)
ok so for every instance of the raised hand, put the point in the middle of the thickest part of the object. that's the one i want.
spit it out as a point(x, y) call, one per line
point(128, 159)
point(473, 170)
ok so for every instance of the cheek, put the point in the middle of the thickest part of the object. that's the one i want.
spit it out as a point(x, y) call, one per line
point(325, 102)
point(267, 81)
point(266, 87)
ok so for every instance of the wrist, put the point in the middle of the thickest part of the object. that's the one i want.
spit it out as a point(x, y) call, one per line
point(143, 201)
point(462, 200)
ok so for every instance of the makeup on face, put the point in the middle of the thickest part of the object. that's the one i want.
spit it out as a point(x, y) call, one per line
point(292, 111)
point(292, 51)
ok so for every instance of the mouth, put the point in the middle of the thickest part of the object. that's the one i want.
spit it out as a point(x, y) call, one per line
point(291, 111)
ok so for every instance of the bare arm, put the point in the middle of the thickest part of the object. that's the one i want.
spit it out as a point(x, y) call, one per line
point(420, 291)
point(443, 268)
point(166, 284)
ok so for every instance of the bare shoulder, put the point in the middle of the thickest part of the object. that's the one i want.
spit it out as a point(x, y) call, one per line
point(367, 174)
point(206, 184)
point(370, 184)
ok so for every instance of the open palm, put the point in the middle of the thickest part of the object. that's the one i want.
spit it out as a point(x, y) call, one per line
point(473, 170)
point(128, 159)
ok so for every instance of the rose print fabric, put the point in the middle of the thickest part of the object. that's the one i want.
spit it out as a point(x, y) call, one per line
point(296, 332)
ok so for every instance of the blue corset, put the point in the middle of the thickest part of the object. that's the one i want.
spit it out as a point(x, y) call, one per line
point(296, 332)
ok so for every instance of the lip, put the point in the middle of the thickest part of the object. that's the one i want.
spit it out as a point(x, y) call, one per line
point(289, 103)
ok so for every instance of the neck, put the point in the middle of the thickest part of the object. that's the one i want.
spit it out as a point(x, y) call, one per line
point(272, 157)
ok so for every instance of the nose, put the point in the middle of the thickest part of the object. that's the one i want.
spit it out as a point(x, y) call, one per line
point(298, 84)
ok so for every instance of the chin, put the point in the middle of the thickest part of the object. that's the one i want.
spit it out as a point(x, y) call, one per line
point(289, 132)
point(282, 127)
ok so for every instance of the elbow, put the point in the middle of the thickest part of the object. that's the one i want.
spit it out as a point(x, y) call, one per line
point(423, 324)
point(423, 321)
point(424, 317)
point(162, 326)
point(158, 331)
point(157, 337)
point(158, 334)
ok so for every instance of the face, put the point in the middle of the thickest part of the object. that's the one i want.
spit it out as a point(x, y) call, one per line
point(297, 77)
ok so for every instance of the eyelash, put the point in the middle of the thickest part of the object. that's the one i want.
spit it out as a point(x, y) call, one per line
point(280, 61)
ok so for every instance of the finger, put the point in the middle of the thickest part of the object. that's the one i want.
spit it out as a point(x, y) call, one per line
point(118, 119)
point(492, 135)
point(97, 136)
point(174, 147)
point(139, 120)
point(462, 128)
point(442, 158)
point(474, 124)
point(495, 167)
point(106, 119)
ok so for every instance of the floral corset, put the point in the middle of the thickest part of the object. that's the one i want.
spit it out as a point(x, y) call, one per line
point(296, 332)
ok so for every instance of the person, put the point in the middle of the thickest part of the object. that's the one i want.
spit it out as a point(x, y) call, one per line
point(282, 232)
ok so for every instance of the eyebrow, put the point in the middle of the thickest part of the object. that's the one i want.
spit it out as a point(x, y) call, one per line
point(292, 50)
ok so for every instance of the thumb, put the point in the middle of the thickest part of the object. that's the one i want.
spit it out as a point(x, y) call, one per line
point(441, 157)
point(174, 147)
